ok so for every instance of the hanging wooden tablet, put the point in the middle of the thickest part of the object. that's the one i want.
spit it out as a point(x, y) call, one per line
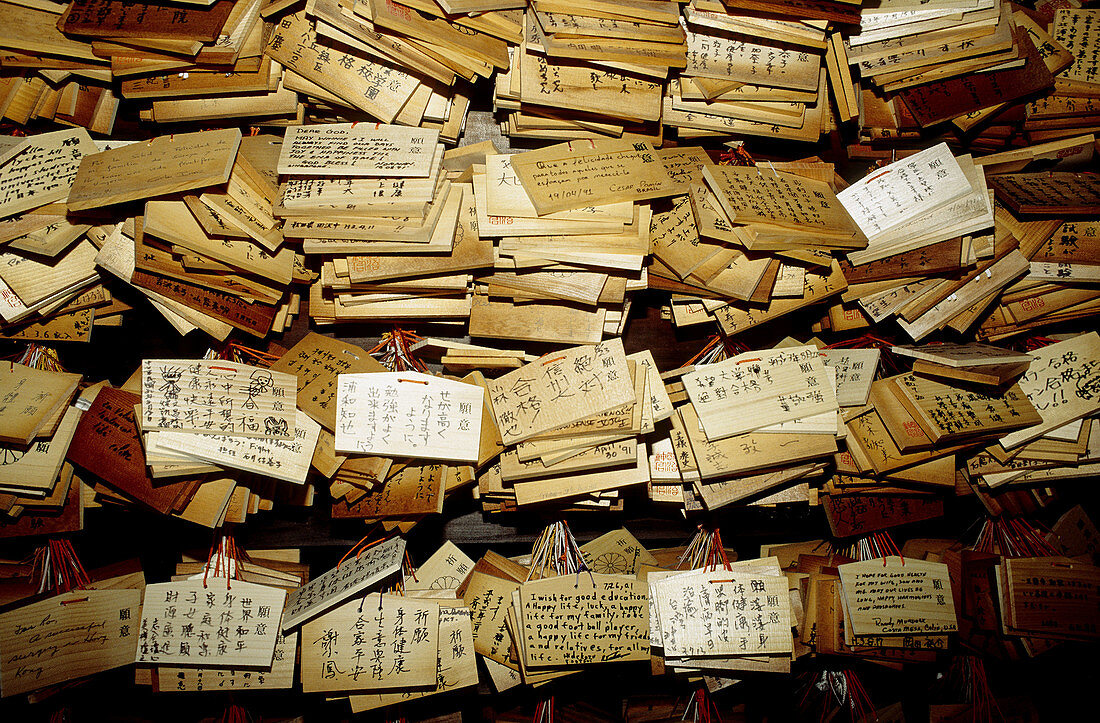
point(381, 641)
point(408, 414)
point(41, 169)
point(897, 596)
point(757, 389)
point(210, 622)
point(167, 164)
point(1052, 596)
point(456, 664)
point(204, 395)
point(592, 171)
point(278, 676)
point(350, 149)
point(107, 443)
point(701, 614)
point(283, 459)
point(29, 398)
point(560, 388)
point(67, 636)
point(855, 515)
point(569, 621)
point(346, 579)
point(316, 361)
point(1062, 383)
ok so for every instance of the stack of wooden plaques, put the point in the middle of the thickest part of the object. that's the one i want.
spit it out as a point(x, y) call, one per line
point(915, 425)
point(50, 75)
point(566, 259)
point(1058, 283)
point(585, 68)
point(722, 620)
point(1046, 601)
point(214, 625)
point(996, 71)
point(757, 426)
point(1029, 268)
point(750, 244)
point(49, 288)
point(203, 415)
point(209, 441)
point(374, 202)
point(278, 569)
point(1059, 445)
point(1000, 73)
point(315, 362)
point(175, 62)
point(75, 61)
point(514, 601)
point(1071, 108)
point(931, 257)
point(36, 485)
point(404, 441)
point(458, 356)
point(423, 641)
point(922, 59)
point(571, 423)
point(387, 486)
point(1001, 588)
point(212, 258)
point(855, 608)
point(396, 63)
point(968, 419)
point(244, 59)
point(936, 241)
point(922, 239)
point(234, 621)
point(755, 69)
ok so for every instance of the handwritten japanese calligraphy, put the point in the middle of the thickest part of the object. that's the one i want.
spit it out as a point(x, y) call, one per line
point(210, 623)
point(346, 579)
point(560, 388)
point(212, 395)
point(408, 414)
point(380, 641)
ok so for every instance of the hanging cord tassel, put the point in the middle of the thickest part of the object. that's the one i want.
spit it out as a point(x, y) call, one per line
point(394, 352)
point(705, 550)
point(360, 547)
point(235, 713)
point(556, 552)
point(859, 702)
point(696, 550)
point(39, 357)
point(736, 156)
point(57, 568)
point(1013, 537)
point(407, 571)
point(877, 545)
point(718, 348)
point(241, 354)
point(829, 691)
point(225, 558)
point(969, 681)
point(544, 711)
point(247, 355)
point(814, 696)
point(701, 707)
point(364, 544)
point(1036, 342)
